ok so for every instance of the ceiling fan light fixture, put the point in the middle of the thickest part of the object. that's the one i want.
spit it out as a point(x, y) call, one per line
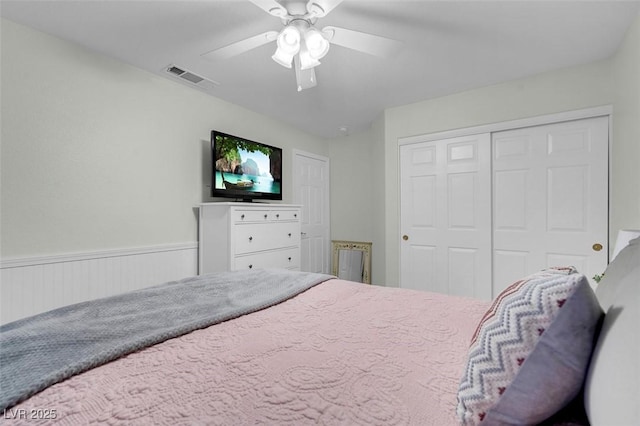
point(306, 60)
point(288, 42)
point(283, 58)
point(317, 45)
point(289, 39)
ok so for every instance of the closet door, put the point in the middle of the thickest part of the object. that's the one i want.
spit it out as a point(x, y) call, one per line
point(550, 190)
point(445, 216)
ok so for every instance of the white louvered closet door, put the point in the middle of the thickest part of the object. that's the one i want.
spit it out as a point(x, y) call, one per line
point(446, 216)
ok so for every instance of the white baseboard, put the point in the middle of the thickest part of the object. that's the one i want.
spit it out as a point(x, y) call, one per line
point(32, 285)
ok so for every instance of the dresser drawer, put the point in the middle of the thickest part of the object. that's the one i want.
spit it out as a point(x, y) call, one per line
point(250, 216)
point(249, 238)
point(285, 215)
point(286, 258)
point(264, 215)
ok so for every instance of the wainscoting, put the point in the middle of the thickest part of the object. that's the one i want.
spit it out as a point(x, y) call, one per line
point(37, 284)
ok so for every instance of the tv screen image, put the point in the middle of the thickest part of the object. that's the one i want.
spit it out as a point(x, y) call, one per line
point(245, 169)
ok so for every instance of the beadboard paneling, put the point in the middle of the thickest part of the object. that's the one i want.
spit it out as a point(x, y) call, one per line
point(29, 286)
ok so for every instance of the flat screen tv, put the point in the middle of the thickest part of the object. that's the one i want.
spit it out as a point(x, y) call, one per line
point(245, 170)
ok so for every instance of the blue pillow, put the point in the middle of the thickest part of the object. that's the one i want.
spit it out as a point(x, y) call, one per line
point(529, 355)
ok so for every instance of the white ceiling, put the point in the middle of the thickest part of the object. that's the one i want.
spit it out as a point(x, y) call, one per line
point(449, 46)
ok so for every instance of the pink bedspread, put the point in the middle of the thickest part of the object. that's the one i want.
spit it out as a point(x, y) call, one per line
point(339, 353)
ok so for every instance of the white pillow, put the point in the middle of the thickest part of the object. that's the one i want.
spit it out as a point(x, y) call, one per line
point(624, 263)
point(612, 388)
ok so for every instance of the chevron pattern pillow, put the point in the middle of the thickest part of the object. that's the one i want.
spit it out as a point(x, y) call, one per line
point(529, 355)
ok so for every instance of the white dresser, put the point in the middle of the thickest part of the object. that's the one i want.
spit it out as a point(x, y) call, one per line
point(235, 236)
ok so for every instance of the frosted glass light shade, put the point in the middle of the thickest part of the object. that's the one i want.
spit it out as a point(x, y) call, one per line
point(288, 46)
point(306, 60)
point(283, 58)
point(289, 40)
point(317, 45)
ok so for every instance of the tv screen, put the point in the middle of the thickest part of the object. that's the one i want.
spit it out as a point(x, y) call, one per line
point(245, 169)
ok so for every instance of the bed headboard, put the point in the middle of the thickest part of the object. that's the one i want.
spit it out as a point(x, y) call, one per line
point(612, 388)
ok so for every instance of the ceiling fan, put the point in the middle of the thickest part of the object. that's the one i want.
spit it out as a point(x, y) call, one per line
point(300, 45)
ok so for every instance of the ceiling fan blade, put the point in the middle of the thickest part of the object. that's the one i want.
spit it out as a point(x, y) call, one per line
point(272, 7)
point(320, 8)
point(241, 46)
point(363, 42)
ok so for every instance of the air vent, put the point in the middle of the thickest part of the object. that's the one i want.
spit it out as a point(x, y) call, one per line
point(191, 78)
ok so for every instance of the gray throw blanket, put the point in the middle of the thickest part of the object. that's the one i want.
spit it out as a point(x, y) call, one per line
point(45, 349)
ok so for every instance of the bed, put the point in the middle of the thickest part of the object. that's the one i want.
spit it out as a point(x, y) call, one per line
point(278, 347)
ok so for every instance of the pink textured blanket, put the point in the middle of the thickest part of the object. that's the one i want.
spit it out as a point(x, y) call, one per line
point(339, 353)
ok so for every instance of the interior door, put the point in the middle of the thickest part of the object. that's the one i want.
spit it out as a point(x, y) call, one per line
point(550, 199)
point(445, 191)
point(311, 190)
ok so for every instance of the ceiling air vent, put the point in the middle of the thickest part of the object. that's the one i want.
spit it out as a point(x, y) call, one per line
point(191, 78)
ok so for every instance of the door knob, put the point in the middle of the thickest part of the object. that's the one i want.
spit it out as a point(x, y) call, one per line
point(405, 237)
point(597, 247)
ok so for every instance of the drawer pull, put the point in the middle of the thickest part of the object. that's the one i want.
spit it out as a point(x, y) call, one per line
point(289, 258)
point(278, 216)
point(295, 215)
point(250, 266)
point(265, 216)
point(242, 217)
point(250, 238)
point(289, 234)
